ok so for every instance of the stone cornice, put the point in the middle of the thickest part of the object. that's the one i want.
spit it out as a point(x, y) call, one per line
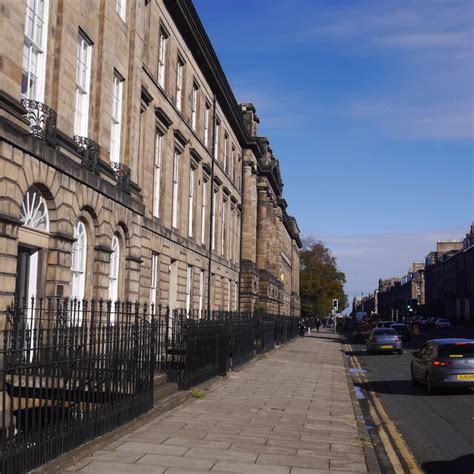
point(62, 236)
point(10, 220)
point(146, 97)
point(195, 154)
point(183, 141)
point(163, 117)
point(133, 258)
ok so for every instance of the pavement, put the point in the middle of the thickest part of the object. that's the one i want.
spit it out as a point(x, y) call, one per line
point(290, 411)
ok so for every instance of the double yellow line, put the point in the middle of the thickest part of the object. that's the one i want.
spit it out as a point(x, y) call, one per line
point(393, 442)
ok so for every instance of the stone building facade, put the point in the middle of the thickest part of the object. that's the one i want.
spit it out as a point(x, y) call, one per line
point(402, 297)
point(127, 168)
point(450, 279)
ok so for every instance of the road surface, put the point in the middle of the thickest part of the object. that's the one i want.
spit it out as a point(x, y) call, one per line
point(439, 429)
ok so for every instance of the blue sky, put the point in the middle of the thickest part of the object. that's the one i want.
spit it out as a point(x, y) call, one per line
point(369, 107)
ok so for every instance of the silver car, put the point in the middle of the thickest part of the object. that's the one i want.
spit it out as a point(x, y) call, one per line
point(444, 363)
point(384, 340)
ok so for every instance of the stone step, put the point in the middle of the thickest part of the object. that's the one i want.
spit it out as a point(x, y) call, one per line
point(164, 390)
point(159, 379)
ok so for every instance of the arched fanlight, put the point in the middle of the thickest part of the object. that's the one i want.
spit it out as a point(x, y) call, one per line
point(34, 210)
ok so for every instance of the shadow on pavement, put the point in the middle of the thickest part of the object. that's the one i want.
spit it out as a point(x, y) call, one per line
point(460, 465)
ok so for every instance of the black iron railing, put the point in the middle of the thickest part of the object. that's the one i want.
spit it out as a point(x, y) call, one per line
point(42, 120)
point(90, 152)
point(70, 371)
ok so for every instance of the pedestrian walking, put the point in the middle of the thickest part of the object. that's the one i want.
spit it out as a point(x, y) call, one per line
point(318, 324)
point(302, 327)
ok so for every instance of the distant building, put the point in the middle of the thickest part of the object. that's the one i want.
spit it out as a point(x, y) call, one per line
point(449, 278)
point(399, 297)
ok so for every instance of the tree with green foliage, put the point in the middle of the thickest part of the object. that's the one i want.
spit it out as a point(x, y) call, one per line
point(320, 280)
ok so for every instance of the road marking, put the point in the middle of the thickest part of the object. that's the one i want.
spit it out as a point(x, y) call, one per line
point(379, 415)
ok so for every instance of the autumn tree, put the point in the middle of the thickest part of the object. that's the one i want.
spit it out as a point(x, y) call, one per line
point(320, 279)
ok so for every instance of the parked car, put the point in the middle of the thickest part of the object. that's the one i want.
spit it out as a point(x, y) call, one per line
point(362, 331)
point(403, 330)
point(442, 324)
point(444, 363)
point(349, 324)
point(384, 340)
point(432, 322)
point(384, 324)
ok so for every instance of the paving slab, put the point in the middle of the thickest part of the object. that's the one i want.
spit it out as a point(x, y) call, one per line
point(289, 412)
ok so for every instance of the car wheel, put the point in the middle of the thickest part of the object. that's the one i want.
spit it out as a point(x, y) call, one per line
point(400, 351)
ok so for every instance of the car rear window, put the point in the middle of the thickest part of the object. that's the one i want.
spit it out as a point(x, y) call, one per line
point(443, 321)
point(461, 349)
point(384, 332)
point(399, 327)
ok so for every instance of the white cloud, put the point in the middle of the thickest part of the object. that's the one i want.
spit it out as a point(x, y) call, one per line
point(366, 258)
point(438, 121)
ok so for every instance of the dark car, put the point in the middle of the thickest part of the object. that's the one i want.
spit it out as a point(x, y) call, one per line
point(403, 330)
point(349, 324)
point(444, 363)
point(362, 331)
point(384, 324)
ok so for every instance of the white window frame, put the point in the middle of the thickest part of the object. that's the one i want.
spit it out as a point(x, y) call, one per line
point(239, 173)
point(34, 49)
point(203, 211)
point(201, 292)
point(192, 179)
point(179, 84)
point(189, 284)
point(236, 296)
point(157, 173)
point(174, 202)
point(237, 236)
point(223, 227)
point(163, 46)
point(226, 145)
point(83, 79)
point(121, 8)
point(232, 163)
point(154, 277)
point(207, 114)
point(194, 94)
point(231, 232)
point(116, 122)
point(216, 139)
point(215, 191)
point(114, 270)
point(79, 261)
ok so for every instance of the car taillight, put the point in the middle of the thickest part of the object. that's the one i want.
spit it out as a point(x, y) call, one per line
point(397, 339)
point(439, 363)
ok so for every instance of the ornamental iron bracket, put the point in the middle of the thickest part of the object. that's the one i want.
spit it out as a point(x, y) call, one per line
point(90, 152)
point(122, 175)
point(42, 120)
